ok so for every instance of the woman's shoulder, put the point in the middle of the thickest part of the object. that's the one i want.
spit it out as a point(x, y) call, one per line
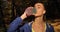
point(50, 27)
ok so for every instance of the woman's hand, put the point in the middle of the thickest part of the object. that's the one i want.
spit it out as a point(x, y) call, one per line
point(27, 12)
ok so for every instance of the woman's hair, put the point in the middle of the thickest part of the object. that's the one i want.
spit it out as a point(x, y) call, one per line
point(33, 2)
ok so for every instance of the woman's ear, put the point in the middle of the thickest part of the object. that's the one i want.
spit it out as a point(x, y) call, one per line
point(44, 11)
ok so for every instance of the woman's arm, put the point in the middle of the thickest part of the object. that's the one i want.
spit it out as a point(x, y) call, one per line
point(14, 25)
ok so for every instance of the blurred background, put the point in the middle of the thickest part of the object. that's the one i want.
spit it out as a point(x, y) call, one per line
point(10, 9)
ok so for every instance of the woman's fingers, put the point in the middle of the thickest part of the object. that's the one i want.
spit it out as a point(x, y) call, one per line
point(29, 11)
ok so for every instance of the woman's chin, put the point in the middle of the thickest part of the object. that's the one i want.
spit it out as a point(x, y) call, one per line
point(38, 15)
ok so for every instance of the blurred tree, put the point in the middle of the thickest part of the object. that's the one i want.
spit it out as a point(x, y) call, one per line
point(2, 23)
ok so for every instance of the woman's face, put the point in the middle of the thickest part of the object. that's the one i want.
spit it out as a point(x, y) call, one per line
point(39, 9)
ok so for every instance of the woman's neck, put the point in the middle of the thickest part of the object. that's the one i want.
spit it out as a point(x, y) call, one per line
point(39, 20)
point(38, 24)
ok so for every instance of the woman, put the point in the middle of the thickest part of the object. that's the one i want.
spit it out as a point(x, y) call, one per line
point(37, 25)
